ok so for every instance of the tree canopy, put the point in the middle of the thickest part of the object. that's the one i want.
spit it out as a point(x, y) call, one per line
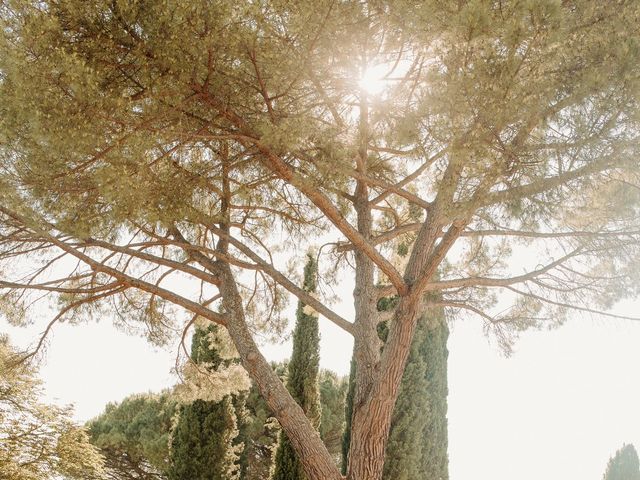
point(133, 436)
point(38, 440)
point(624, 465)
point(149, 143)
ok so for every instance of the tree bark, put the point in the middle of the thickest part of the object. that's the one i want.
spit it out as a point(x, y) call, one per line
point(372, 419)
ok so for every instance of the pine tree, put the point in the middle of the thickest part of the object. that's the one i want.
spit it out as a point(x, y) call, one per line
point(624, 465)
point(203, 443)
point(193, 129)
point(133, 435)
point(302, 380)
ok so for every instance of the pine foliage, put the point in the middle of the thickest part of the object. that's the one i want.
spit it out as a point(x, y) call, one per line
point(38, 441)
point(133, 435)
point(140, 137)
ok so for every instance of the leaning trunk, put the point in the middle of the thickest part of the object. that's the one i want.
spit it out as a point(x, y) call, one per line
point(314, 456)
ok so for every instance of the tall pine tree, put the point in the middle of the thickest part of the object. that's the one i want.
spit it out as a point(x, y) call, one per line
point(417, 445)
point(203, 443)
point(624, 465)
point(302, 379)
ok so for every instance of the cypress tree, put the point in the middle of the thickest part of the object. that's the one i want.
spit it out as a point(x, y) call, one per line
point(417, 446)
point(418, 440)
point(302, 379)
point(624, 465)
point(203, 443)
point(348, 412)
point(333, 389)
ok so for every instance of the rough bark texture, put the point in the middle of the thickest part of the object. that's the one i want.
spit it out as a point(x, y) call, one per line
point(417, 444)
point(348, 415)
point(372, 419)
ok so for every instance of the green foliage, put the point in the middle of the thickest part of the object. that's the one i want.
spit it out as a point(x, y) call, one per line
point(348, 414)
point(133, 435)
point(519, 119)
point(624, 465)
point(302, 377)
point(204, 442)
point(333, 391)
point(38, 441)
point(258, 431)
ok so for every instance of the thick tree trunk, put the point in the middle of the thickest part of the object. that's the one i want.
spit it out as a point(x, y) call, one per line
point(372, 420)
point(417, 444)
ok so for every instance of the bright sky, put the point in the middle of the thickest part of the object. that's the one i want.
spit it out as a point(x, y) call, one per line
point(556, 410)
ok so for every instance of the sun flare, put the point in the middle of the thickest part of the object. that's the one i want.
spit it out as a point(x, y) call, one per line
point(373, 80)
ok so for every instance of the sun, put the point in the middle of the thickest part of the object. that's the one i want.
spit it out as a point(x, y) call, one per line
point(374, 79)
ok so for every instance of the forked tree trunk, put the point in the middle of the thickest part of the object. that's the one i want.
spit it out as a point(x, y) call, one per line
point(372, 418)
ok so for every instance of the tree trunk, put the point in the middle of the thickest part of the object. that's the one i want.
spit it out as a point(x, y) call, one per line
point(417, 445)
point(372, 420)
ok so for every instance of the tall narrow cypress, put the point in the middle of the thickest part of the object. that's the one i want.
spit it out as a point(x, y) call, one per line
point(203, 441)
point(302, 379)
point(418, 439)
point(417, 446)
point(624, 465)
point(348, 412)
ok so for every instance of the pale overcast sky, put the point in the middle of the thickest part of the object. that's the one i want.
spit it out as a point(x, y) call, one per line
point(556, 410)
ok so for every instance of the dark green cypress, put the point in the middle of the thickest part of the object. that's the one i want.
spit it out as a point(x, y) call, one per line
point(203, 439)
point(417, 446)
point(333, 390)
point(348, 412)
point(624, 465)
point(302, 379)
point(418, 440)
